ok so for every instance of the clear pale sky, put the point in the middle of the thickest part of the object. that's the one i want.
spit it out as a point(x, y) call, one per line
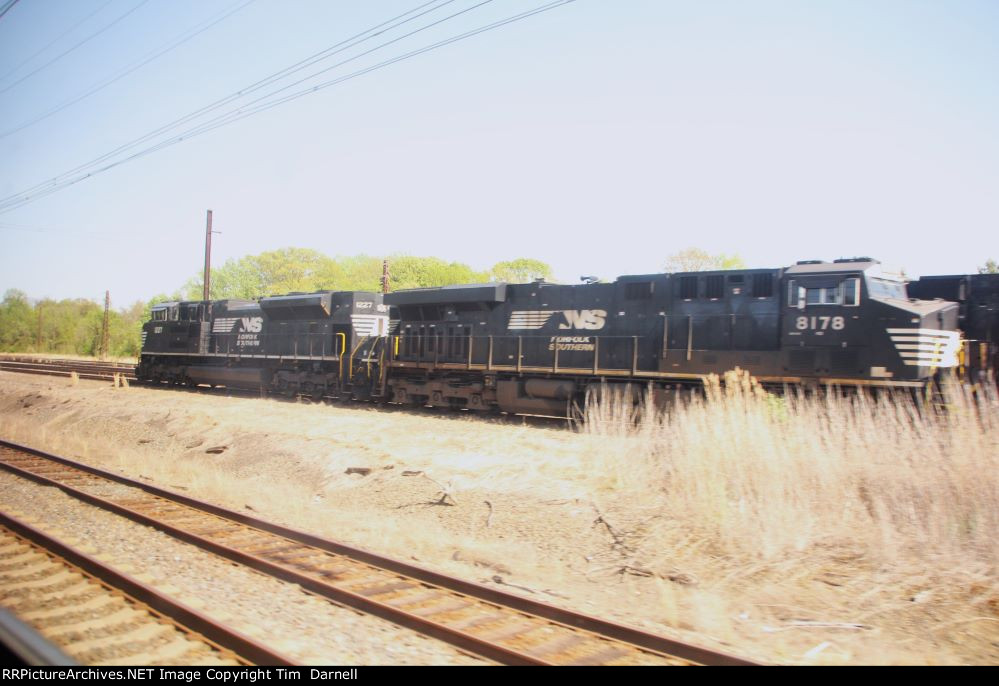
point(599, 137)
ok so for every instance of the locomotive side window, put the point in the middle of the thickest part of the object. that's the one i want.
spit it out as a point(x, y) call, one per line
point(715, 286)
point(688, 287)
point(795, 295)
point(851, 292)
point(763, 285)
point(639, 290)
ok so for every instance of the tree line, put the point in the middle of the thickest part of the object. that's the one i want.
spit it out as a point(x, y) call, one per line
point(73, 326)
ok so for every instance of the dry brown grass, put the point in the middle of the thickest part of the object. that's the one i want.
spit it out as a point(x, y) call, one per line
point(764, 477)
point(844, 510)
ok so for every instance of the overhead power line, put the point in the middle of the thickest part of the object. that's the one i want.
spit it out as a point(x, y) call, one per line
point(6, 7)
point(42, 190)
point(337, 48)
point(75, 46)
point(114, 78)
point(54, 41)
point(265, 103)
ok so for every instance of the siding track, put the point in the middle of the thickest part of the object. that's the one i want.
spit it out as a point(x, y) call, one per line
point(481, 620)
point(96, 615)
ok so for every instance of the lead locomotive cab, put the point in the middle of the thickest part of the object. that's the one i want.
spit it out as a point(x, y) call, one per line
point(177, 327)
point(852, 318)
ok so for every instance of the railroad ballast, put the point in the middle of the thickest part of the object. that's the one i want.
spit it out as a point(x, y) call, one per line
point(537, 348)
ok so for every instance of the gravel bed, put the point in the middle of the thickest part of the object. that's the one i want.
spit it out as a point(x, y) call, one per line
point(306, 628)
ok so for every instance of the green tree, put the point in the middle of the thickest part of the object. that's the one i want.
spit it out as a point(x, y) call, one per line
point(16, 320)
point(991, 267)
point(425, 272)
point(521, 270)
point(356, 273)
point(299, 269)
point(697, 260)
point(126, 330)
point(269, 273)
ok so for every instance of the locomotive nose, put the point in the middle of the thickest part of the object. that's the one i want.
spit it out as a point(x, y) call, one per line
point(932, 340)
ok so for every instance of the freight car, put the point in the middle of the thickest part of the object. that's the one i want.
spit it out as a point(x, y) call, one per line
point(977, 296)
point(538, 348)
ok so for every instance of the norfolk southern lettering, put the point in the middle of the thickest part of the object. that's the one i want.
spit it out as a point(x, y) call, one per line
point(544, 348)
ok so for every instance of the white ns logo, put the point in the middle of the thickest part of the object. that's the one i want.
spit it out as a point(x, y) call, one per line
point(253, 324)
point(583, 319)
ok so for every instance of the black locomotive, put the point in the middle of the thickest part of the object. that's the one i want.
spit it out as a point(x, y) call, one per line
point(978, 298)
point(537, 348)
point(314, 343)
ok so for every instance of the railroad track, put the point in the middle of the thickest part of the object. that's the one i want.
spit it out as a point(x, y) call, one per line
point(85, 369)
point(481, 620)
point(95, 615)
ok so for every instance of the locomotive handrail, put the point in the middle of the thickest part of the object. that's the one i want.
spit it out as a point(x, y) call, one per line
point(690, 335)
point(343, 349)
point(350, 359)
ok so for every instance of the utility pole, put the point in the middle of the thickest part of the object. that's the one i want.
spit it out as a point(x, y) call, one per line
point(105, 328)
point(38, 348)
point(385, 276)
point(208, 257)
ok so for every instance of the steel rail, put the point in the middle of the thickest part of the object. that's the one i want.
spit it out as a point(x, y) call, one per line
point(645, 641)
point(216, 634)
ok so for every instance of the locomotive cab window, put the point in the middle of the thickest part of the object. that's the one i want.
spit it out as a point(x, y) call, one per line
point(851, 292)
point(845, 293)
point(823, 296)
point(885, 288)
point(159, 315)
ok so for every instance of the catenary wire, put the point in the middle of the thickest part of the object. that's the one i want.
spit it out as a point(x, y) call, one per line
point(168, 47)
point(328, 52)
point(75, 46)
point(54, 41)
point(7, 7)
point(20, 200)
